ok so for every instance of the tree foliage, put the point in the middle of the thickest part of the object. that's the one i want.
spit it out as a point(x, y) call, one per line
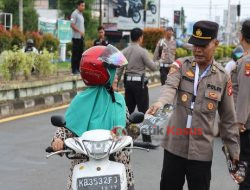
point(30, 16)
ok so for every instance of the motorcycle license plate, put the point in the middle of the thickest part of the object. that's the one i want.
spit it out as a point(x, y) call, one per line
point(109, 182)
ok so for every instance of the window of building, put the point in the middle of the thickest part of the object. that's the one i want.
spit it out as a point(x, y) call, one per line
point(52, 4)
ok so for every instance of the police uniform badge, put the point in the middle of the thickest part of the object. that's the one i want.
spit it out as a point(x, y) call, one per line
point(190, 73)
point(198, 32)
point(247, 69)
point(210, 106)
point(213, 95)
point(173, 69)
point(184, 98)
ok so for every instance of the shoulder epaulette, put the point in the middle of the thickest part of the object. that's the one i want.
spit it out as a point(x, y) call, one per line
point(221, 68)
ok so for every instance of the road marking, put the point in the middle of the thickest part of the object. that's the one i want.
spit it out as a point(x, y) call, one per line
point(51, 109)
point(32, 114)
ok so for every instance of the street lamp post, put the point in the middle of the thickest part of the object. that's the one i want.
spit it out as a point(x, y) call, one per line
point(21, 14)
point(100, 16)
point(145, 14)
point(228, 24)
point(210, 10)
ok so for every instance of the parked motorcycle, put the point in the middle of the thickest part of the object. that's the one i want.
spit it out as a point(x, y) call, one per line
point(133, 10)
point(151, 6)
point(99, 173)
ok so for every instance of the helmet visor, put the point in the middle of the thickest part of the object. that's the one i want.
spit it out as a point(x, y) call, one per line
point(112, 57)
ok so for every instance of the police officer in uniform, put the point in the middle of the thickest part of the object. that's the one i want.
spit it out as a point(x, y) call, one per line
point(101, 41)
point(136, 90)
point(202, 87)
point(165, 51)
point(241, 91)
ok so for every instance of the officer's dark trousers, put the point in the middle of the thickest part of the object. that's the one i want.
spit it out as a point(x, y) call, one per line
point(175, 168)
point(164, 73)
point(77, 50)
point(245, 156)
point(136, 95)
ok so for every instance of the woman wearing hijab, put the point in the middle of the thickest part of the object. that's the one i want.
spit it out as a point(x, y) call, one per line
point(98, 106)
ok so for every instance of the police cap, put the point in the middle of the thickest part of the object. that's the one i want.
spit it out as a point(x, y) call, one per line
point(203, 33)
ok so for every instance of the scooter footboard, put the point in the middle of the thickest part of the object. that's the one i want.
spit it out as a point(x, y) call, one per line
point(107, 175)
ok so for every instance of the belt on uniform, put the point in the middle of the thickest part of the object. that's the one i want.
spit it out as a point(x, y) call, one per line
point(164, 65)
point(133, 78)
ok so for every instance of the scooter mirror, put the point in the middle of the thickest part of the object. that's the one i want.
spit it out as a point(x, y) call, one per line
point(58, 121)
point(136, 117)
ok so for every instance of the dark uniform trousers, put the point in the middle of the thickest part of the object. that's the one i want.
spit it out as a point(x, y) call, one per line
point(136, 94)
point(245, 156)
point(77, 50)
point(164, 73)
point(175, 168)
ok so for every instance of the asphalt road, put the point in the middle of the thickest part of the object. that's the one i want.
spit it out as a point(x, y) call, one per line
point(23, 164)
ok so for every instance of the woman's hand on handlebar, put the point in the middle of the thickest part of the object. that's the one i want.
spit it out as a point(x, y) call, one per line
point(57, 144)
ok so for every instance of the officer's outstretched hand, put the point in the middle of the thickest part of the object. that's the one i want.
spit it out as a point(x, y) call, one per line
point(242, 128)
point(154, 108)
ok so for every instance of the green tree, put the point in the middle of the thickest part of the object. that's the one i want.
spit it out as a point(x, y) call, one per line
point(68, 6)
point(1, 5)
point(30, 16)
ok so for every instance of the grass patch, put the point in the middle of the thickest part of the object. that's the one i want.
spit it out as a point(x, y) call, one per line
point(63, 65)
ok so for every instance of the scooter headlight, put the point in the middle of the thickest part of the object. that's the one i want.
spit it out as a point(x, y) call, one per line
point(98, 149)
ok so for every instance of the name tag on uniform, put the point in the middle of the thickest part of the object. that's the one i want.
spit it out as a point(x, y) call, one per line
point(189, 121)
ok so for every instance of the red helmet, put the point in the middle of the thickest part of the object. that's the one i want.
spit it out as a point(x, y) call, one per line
point(96, 60)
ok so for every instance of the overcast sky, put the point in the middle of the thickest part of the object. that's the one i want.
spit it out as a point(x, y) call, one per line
point(199, 9)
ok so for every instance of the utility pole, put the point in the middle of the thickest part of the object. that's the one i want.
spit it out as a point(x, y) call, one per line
point(145, 14)
point(238, 14)
point(21, 14)
point(100, 17)
point(228, 25)
point(210, 10)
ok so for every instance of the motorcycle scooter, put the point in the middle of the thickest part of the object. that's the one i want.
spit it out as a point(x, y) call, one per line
point(133, 10)
point(99, 173)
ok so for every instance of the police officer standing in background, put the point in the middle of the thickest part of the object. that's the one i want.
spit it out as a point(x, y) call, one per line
point(101, 41)
point(136, 90)
point(241, 91)
point(165, 50)
point(202, 87)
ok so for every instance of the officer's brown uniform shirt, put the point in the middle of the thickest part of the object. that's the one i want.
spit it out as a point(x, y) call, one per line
point(138, 60)
point(168, 51)
point(213, 94)
point(241, 90)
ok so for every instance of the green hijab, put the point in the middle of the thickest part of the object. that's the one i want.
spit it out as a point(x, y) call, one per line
point(94, 109)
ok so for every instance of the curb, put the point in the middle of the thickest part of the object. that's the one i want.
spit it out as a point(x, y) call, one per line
point(33, 104)
point(21, 106)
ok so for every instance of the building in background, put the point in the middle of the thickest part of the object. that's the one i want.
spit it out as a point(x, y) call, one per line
point(47, 9)
point(233, 22)
point(118, 17)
